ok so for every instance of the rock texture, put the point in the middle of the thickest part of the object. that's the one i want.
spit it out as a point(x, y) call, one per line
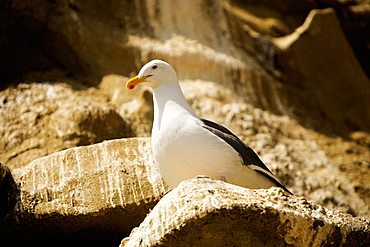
point(106, 188)
point(204, 212)
point(331, 171)
point(290, 79)
point(136, 108)
point(347, 97)
point(40, 119)
point(9, 193)
point(230, 42)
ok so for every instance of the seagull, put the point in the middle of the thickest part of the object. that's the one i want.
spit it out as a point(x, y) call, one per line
point(185, 146)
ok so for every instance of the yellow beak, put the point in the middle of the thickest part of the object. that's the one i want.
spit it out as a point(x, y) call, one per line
point(133, 82)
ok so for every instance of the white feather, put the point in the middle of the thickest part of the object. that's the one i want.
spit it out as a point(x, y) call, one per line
point(182, 147)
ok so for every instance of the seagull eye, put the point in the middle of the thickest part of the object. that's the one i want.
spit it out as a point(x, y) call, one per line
point(154, 67)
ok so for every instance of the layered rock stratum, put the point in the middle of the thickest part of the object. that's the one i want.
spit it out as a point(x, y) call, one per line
point(290, 79)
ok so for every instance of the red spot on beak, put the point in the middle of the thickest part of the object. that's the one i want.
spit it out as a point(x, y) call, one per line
point(131, 86)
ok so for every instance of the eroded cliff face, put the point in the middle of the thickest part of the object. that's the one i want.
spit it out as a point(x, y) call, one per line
point(289, 79)
point(254, 48)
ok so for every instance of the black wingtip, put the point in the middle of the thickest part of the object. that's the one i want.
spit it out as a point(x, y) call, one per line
point(277, 183)
point(247, 154)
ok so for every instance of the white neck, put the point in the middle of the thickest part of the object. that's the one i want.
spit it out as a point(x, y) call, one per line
point(165, 94)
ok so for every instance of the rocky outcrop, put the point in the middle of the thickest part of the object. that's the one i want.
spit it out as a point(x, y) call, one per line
point(9, 193)
point(229, 42)
point(40, 119)
point(329, 171)
point(342, 88)
point(136, 108)
point(204, 212)
point(104, 189)
point(289, 79)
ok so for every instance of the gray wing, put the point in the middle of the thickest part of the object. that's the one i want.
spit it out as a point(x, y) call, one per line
point(248, 156)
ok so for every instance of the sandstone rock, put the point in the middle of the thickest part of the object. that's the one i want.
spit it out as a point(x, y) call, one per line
point(204, 212)
point(90, 45)
point(241, 62)
point(325, 74)
point(230, 42)
point(114, 86)
point(139, 113)
point(9, 193)
point(39, 119)
point(355, 19)
point(274, 81)
point(36, 41)
point(135, 107)
point(106, 188)
point(361, 137)
point(329, 171)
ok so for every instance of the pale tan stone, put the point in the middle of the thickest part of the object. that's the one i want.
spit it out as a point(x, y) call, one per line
point(38, 119)
point(114, 179)
point(309, 76)
point(319, 59)
point(205, 212)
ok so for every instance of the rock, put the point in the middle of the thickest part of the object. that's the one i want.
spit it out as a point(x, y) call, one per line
point(341, 92)
point(35, 40)
point(135, 107)
point(139, 113)
point(114, 86)
point(361, 137)
point(228, 42)
point(329, 171)
point(105, 189)
point(249, 65)
point(9, 193)
point(205, 212)
point(40, 119)
point(355, 18)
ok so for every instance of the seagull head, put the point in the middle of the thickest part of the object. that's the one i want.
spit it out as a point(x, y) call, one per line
point(154, 74)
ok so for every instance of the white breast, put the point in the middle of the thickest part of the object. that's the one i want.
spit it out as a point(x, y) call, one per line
point(183, 149)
